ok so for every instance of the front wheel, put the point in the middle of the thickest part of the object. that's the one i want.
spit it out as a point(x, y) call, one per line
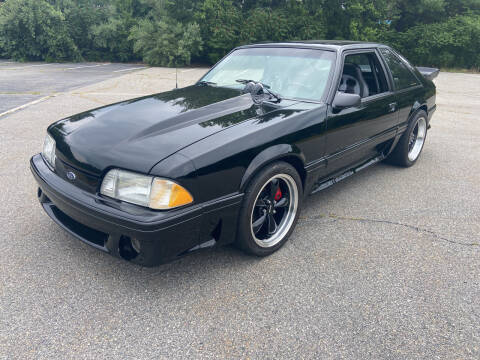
point(411, 143)
point(270, 209)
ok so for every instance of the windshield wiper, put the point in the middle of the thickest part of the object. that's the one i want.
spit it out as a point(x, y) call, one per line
point(265, 87)
point(203, 82)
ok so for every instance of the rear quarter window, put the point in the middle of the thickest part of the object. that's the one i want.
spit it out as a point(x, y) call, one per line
point(403, 78)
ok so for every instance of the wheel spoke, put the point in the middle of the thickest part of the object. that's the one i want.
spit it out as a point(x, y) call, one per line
point(260, 203)
point(283, 202)
point(257, 225)
point(421, 132)
point(273, 189)
point(412, 140)
point(272, 225)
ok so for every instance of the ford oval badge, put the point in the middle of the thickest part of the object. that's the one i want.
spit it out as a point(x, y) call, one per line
point(71, 176)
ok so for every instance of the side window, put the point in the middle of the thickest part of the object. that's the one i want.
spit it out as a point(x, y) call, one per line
point(402, 76)
point(363, 75)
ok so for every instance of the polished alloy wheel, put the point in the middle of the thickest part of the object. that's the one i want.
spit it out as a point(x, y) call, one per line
point(274, 211)
point(416, 139)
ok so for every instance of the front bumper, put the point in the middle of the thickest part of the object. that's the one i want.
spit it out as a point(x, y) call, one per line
point(110, 225)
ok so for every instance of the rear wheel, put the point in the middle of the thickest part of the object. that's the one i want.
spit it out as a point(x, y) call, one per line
point(270, 209)
point(411, 143)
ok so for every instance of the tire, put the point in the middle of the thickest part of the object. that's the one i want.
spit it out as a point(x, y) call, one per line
point(410, 145)
point(274, 194)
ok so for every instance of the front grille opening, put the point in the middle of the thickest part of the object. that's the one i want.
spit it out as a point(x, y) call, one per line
point(86, 233)
point(42, 197)
point(127, 250)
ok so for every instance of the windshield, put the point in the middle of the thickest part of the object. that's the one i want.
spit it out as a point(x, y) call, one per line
point(289, 72)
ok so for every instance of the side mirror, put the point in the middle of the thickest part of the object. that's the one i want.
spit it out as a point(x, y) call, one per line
point(343, 100)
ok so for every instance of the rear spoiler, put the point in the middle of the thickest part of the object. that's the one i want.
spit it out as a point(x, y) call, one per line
point(427, 72)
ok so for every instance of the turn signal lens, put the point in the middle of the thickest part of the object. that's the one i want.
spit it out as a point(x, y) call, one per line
point(166, 194)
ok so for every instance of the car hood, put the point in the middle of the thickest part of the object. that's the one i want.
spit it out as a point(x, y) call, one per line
point(138, 133)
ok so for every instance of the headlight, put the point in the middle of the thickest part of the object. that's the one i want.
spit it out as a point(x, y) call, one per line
point(48, 151)
point(144, 190)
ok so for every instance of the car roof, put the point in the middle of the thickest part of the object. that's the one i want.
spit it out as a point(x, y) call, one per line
point(323, 44)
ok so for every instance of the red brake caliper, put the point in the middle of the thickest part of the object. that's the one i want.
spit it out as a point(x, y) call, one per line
point(278, 195)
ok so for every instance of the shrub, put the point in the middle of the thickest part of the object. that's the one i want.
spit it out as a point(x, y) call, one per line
point(80, 17)
point(220, 27)
point(451, 43)
point(166, 42)
point(35, 30)
point(111, 39)
point(443, 33)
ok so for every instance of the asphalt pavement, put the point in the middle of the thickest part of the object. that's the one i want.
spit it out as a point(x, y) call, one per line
point(384, 265)
point(22, 83)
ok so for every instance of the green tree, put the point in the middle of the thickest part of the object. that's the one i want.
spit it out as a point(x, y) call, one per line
point(110, 37)
point(81, 16)
point(166, 43)
point(415, 12)
point(170, 32)
point(451, 43)
point(220, 27)
point(357, 19)
point(35, 30)
point(265, 24)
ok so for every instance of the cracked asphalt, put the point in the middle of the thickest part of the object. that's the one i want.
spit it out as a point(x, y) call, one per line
point(384, 265)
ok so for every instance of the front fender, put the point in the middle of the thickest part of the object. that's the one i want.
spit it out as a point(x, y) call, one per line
point(271, 154)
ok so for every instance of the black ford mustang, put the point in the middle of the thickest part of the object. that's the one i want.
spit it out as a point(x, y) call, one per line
point(230, 158)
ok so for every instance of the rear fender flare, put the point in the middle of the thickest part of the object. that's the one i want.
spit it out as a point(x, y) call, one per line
point(415, 108)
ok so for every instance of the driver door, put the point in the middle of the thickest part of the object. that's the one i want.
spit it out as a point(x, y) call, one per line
point(356, 134)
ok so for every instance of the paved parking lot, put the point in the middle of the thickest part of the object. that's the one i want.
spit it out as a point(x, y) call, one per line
point(385, 265)
point(21, 83)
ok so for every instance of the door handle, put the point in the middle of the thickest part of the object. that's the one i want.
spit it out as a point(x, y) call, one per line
point(392, 106)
